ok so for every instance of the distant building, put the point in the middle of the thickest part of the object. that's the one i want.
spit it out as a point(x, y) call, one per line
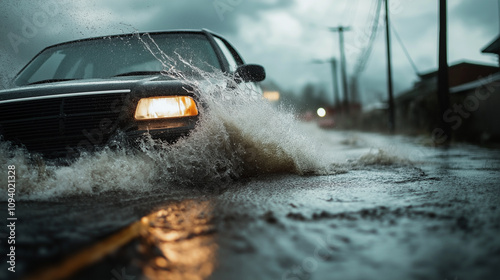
point(474, 100)
point(480, 103)
point(494, 48)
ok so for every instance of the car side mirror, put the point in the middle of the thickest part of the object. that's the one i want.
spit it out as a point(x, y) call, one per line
point(250, 73)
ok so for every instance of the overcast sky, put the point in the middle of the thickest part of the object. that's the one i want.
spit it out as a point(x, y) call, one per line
point(285, 36)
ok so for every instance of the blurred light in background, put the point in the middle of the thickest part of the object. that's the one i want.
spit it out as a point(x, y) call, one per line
point(321, 112)
point(272, 95)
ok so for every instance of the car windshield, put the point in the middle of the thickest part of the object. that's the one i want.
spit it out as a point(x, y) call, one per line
point(123, 55)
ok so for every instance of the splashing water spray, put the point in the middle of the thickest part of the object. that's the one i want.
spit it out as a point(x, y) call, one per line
point(238, 134)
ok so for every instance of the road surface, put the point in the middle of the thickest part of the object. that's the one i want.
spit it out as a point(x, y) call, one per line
point(321, 204)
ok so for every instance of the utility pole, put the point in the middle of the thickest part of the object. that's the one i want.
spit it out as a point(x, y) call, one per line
point(392, 124)
point(336, 93)
point(341, 30)
point(443, 78)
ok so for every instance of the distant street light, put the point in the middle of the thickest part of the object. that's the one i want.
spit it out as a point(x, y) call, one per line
point(321, 112)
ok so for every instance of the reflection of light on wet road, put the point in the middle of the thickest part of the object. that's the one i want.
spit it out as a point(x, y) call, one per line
point(177, 242)
point(184, 235)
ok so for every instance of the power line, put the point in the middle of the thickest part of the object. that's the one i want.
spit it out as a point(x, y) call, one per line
point(350, 12)
point(365, 55)
point(366, 52)
point(405, 50)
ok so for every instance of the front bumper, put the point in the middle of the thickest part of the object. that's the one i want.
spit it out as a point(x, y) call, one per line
point(166, 134)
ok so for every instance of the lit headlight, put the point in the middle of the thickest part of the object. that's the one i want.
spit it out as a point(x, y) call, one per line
point(165, 107)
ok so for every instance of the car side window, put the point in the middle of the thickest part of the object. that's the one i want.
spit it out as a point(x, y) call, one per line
point(233, 65)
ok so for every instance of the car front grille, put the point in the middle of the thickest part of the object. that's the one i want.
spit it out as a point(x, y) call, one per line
point(61, 124)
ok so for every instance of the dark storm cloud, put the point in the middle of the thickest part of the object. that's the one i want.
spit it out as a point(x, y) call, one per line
point(282, 35)
point(218, 15)
point(24, 21)
point(481, 15)
point(28, 27)
point(175, 14)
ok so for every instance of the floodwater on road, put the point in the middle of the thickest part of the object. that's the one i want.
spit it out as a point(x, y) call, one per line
point(332, 205)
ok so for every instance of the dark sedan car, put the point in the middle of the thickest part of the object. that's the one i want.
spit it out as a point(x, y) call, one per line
point(79, 94)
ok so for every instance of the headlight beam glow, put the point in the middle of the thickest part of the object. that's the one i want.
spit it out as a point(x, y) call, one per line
point(165, 107)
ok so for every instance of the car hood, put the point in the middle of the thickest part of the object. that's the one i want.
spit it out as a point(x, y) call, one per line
point(90, 86)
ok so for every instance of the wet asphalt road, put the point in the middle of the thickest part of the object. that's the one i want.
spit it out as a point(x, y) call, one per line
point(393, 208)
